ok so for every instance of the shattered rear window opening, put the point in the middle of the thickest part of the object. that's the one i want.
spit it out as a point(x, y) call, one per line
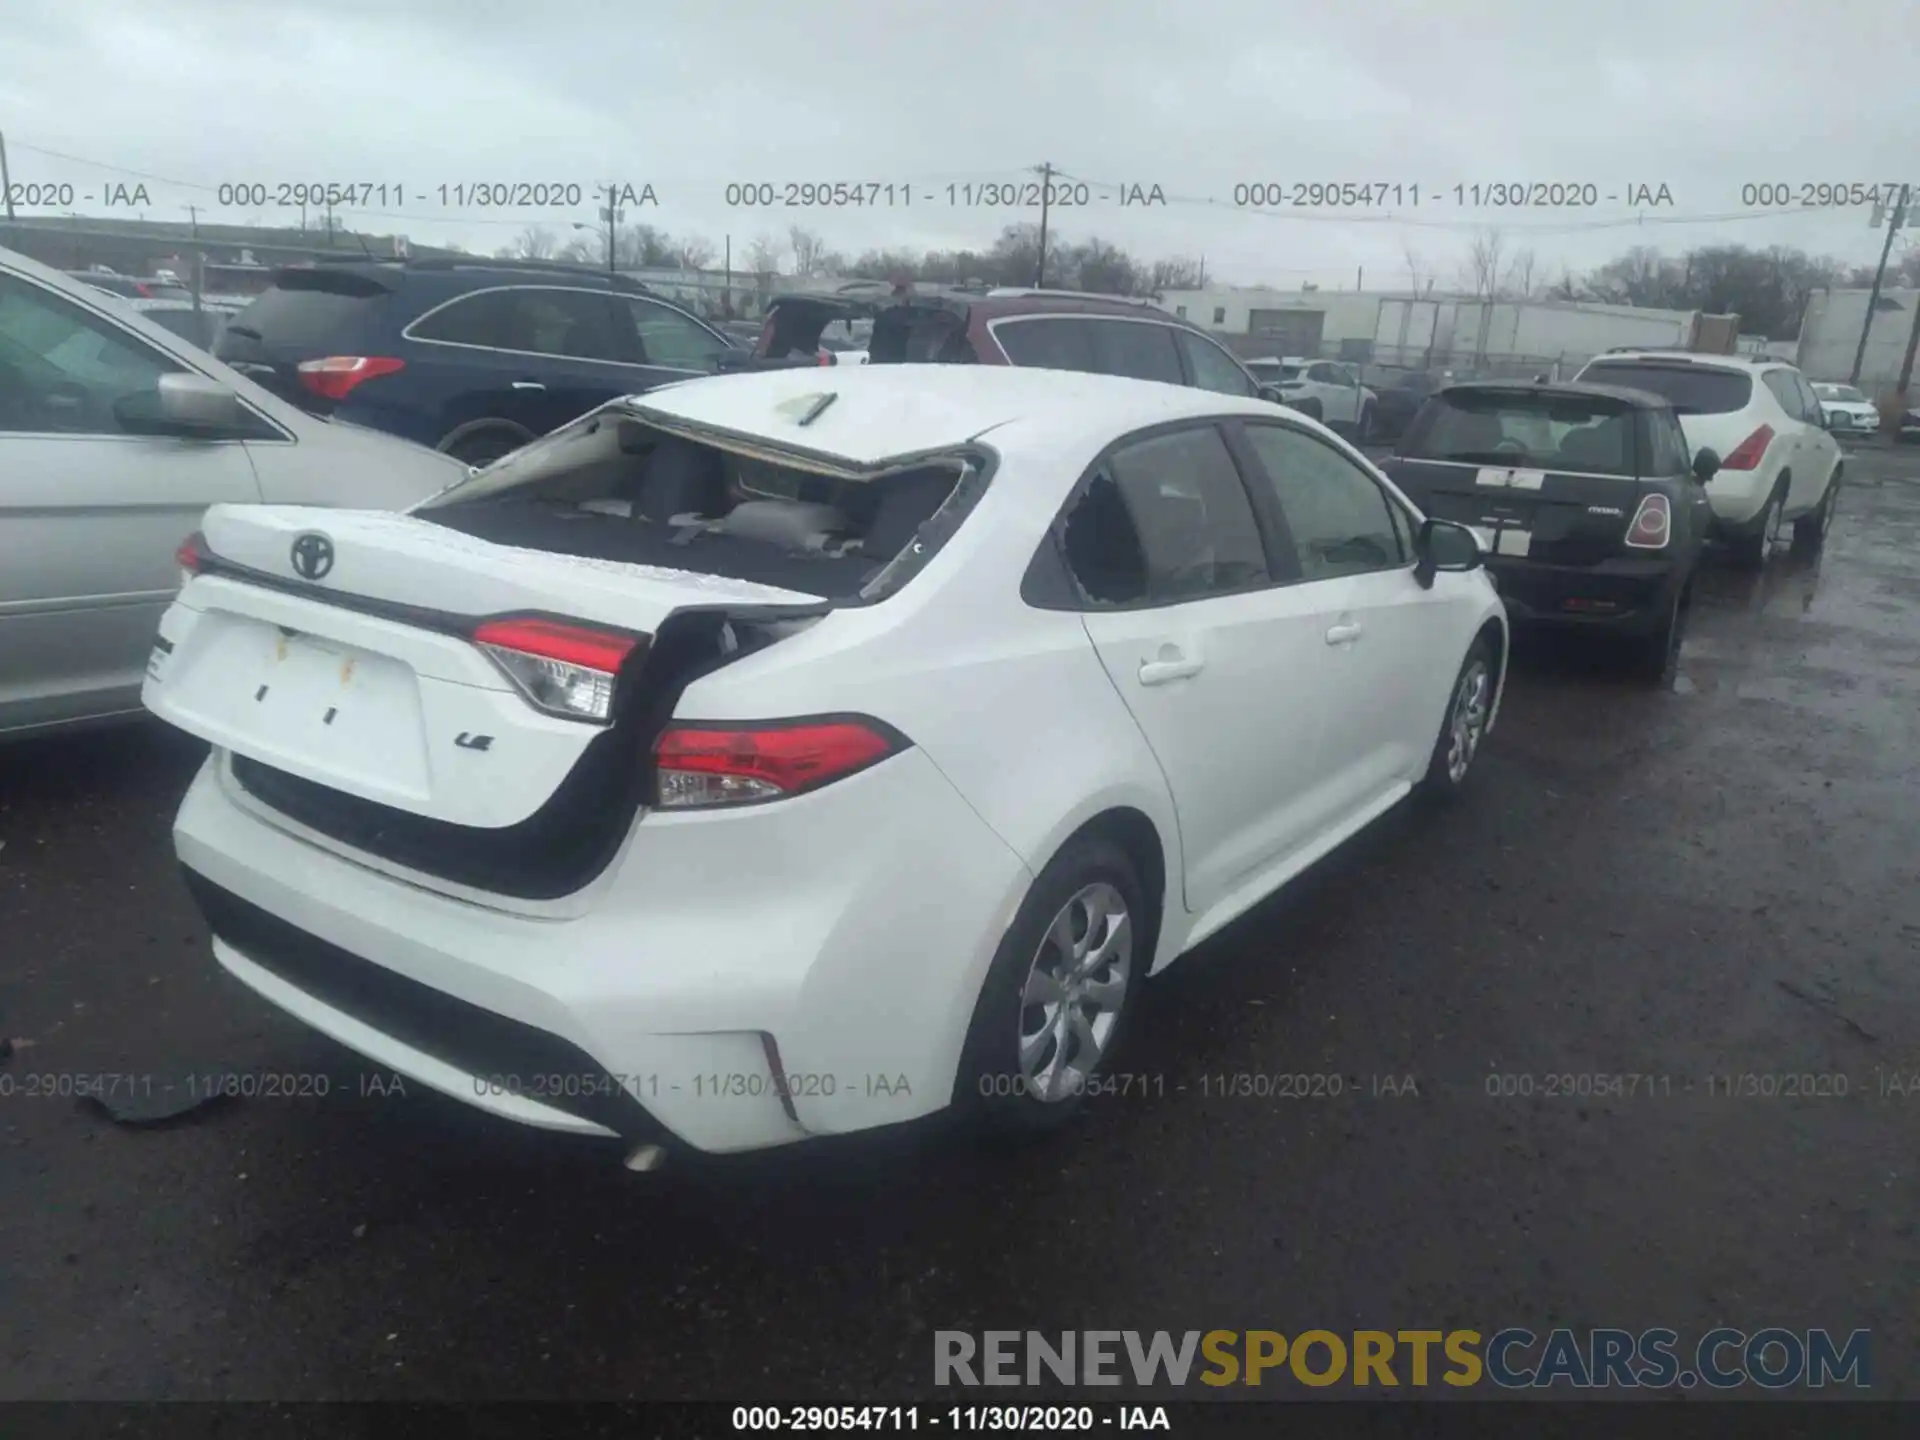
point(628, 492)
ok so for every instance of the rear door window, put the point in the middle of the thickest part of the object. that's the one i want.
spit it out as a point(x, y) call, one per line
point(1780, 382)
point(576, 324)
point(477, 319)
point(1689, 389)
point(1047, 344)
point(1524, 431)
point(1165, 520)
point(1136, 348)
point(1213, 368)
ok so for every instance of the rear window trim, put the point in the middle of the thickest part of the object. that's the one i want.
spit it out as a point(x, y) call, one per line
point(406, 331)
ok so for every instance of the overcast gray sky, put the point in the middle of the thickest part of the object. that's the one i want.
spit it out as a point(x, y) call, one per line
point(1196, 97)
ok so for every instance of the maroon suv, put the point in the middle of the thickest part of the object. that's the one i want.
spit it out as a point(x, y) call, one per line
point(1053, 329)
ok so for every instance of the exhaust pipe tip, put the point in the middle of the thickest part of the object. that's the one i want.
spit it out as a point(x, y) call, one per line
point(646, 1157)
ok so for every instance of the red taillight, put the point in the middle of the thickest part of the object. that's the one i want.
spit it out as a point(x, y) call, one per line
point(1652, 524)
point(332, 377)
point(702, 765)
point(1746, 455)
point(555, 640)
point(191, 555)
point(564, 669)
point(143, 289)
point(826, 357)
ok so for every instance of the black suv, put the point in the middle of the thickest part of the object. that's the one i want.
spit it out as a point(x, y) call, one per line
point(475, 358)
point(1585, 498)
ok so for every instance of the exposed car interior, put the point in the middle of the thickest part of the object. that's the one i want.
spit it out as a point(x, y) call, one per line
point(659, 499)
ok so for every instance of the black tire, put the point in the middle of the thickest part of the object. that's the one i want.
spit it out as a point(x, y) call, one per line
point(1810, 530)
point(483, 447)
point(1752, 546)
point(1654, 655)
point(992, 1090)
point(1444, 779)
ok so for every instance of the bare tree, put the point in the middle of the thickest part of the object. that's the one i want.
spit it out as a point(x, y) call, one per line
point(1520, 274)
point(809, 251)
point(1417, 267)
point(763, 256)
point(643, 247)
point(1177, 273)
point(536, 242)
point(583, 250)
point(1480, 274)
point(693, 251)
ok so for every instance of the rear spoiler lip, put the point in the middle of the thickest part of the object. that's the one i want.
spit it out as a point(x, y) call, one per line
point(462, 627)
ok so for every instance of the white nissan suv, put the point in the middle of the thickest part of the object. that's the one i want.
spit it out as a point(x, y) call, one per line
point(799, 752)
point(1777, 465)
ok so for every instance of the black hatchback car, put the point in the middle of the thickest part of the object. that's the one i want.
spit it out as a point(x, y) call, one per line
point(475, 358)
point(1590, 509)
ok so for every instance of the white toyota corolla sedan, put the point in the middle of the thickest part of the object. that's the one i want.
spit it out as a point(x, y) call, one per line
point(795, 753)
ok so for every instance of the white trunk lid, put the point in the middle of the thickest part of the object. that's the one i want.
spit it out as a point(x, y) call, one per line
point(361, 678)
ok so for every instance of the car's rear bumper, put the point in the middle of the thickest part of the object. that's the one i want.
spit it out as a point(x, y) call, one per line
point(742, 981)
point(1630, 593)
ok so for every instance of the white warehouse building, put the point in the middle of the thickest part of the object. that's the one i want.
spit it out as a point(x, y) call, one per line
point(1405, 329)
point(1830, 336)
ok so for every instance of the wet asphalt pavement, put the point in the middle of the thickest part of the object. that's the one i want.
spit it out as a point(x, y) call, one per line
point(1717, 880)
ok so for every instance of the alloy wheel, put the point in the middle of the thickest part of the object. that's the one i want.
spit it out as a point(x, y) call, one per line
point(1467, 720)
point(1074, 992)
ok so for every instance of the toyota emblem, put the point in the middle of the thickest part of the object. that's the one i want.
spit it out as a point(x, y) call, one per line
point(312, 555)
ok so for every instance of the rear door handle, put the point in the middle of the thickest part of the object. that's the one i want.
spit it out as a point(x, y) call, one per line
point(1345, 634)
point(1162, 672)
point(528, 385)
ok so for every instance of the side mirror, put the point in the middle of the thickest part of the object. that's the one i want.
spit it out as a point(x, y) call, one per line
point(1270, 392)
point(1443, 545)
point(1706, 464)
point(184, 404)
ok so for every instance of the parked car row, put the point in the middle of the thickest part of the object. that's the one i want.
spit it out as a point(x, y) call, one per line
point(514, 766)
point(1594, 499)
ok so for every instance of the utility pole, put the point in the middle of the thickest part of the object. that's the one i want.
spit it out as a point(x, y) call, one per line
point(1894, 222)
point(1906, 369)
point(611, 214)
point(1360, 277)
point(6, 180)
point(1046, 188)
point(199, 256)
point(329, 216)
point(726, 294)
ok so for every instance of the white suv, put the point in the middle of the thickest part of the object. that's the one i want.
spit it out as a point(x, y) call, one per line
point(1777, 461)
point(798, 752)
point(1327, 390)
